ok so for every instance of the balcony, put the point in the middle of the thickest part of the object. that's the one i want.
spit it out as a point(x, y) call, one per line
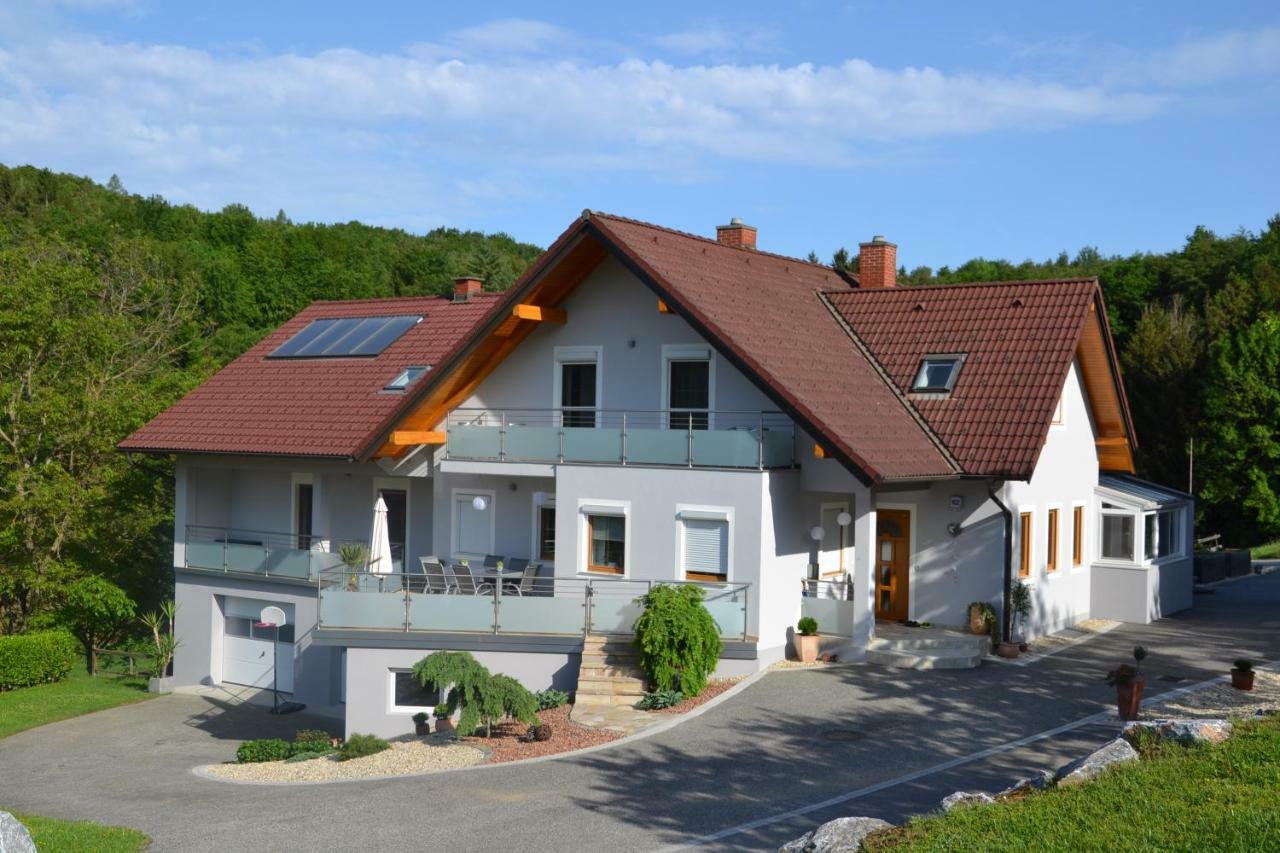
point(683, 439)
point(264, 553)
point(553, 606)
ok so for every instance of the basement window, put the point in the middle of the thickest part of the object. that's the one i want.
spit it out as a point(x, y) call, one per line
point(406, 378)
point(937, 373)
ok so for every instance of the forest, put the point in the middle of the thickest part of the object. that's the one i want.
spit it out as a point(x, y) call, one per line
point(113, 305)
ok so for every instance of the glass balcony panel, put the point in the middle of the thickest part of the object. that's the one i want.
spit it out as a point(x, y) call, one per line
point(474, 442)
point(345, 609)
point(779, 448)
point(541, 615)
point(614, 615)
point(539, 444)
point(433, 612)
point(835, 617)
point(583, 444)
point(657, 447)
point(289, 562)
point(203, 554)
point(246, 558)
point(726, 449)
point(726, 609)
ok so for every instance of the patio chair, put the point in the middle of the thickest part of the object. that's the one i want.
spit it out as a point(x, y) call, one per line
point(415, 579)
point(466, 582)
point(491, 561)
point(433, 571)
point(528, 574)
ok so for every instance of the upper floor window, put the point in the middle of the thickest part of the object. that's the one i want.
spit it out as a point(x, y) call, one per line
point(578, 385)
point(938, 373)
point(689, 398)
point(406, 378)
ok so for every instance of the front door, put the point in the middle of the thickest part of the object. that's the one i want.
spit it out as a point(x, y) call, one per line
point(893, 549)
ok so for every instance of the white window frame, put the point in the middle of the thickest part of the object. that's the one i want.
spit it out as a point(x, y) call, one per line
point(576, 355)
point(957, 357)
point(698, 512)
point(686, 352)
point(1059, 420)
point(301, 479)
point(488, 494)
point(846, 563)
point(403, 710)
point(1062, 566)
point(397, 484)
point(588, 507)
point(549, 500)
point(1085, 550)
point(1179, 512)
point(1135, 516)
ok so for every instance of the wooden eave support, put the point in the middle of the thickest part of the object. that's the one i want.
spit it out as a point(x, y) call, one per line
point(413, 437)
point(663, 308)
point(539, 313)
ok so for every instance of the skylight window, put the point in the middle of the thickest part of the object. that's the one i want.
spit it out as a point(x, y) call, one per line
point(346, 336)
point(407, 377)
point(938, 373)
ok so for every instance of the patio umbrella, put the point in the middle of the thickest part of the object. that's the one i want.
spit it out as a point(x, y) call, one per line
point(380, 541)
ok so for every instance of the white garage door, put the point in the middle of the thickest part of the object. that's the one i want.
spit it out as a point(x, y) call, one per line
point(249, 653)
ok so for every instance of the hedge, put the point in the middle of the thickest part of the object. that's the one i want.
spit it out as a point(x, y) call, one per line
point(40, 657)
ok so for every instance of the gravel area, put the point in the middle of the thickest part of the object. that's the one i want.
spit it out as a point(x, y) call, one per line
point(403, 758)
point(505, 745)
point(1223, 700)
point(713, 689)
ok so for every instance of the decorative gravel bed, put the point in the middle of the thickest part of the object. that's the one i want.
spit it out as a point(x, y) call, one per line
point(403, 758)
point(1222, 700)
point(713, 689)
point(505, 745)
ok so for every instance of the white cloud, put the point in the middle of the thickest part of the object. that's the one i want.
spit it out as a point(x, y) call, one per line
point(713, 38)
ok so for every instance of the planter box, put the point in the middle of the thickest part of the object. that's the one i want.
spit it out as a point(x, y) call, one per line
point(160, 685)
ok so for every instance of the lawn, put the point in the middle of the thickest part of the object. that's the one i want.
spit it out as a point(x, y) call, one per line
point(53, 836)
point(1269, 551)
point(1223, 797)
point(79, 693)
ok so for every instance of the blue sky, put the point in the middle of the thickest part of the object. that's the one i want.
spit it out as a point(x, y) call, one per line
point(997, 129)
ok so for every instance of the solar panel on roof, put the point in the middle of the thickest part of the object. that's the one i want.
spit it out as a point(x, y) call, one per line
point(346, 336)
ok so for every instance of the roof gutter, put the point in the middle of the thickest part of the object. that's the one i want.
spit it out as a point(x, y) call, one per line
point(1006, 611)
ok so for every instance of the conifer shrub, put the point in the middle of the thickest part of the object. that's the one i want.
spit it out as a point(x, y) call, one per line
point(483, 698)
point(679, 641)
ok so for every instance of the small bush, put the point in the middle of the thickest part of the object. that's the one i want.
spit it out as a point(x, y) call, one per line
point(266, 749)
point(807, 626)
point(659, 699)
point(1244, 664)
point(307, 756)
point(552, 698)
point(358, 746)
point(40, 657)
point(678, 639)
point(310, 741)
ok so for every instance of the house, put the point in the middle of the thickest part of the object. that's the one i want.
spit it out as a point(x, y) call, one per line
point(648, 406)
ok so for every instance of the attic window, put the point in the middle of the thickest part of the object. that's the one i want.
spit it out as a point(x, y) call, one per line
point(346, 336)
point(937, 373)
point(406, 378)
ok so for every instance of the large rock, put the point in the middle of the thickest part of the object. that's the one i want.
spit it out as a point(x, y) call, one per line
point(842, 835)
point(14, 837)
point(1037, 782)
point(1091, 766)
point(1183, 731)
point(966, 798)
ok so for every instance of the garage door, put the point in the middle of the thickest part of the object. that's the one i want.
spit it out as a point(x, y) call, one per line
point(249, 653)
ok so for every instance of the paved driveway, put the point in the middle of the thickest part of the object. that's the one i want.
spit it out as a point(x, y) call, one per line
point(763, 753)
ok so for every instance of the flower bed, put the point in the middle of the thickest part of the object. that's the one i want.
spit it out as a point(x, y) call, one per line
point(713, 689)
point(405, 757)
point(506, 745)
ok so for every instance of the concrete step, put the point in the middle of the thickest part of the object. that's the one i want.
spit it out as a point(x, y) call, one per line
point(971, 644)
point(586, 699)
point(921, 659)
point(596, 671)
point(592, 646)
point(611, 687)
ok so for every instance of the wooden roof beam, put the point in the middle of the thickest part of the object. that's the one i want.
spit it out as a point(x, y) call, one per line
point(539, 313)
point(414, 437)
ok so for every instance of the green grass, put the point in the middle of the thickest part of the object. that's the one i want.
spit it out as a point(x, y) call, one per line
point(1268, 551)
point(79, 693)
point(1221, 797)
point(55, 836)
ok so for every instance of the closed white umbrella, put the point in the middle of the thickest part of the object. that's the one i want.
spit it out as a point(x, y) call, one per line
point(380, 541)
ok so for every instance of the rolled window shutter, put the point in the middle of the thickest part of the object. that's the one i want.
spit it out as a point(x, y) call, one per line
point(706, 546)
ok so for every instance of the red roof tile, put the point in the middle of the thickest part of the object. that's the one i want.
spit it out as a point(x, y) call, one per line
point(316, 406)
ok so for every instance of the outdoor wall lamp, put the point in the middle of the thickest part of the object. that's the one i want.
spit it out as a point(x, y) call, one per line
point(479, 503)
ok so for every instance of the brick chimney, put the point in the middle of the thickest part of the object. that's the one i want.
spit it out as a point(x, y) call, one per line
point(736, 234)
point(878, 263)
point(466, 286)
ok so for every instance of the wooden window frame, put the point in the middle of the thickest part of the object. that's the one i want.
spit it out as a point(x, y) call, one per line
point(1051, 559)
point(606, 570)
point(1027, 534)
point(1077, 535)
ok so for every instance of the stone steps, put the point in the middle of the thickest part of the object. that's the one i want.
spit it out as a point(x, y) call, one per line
point(609, 672)
point(925, 648)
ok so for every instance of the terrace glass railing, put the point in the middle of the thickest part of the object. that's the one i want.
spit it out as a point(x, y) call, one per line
point(553, 606)
point(831, 604)
point(687, 439)
point(264, 553)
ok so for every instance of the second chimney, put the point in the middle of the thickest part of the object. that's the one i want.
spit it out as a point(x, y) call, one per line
point(878, 263)
point(736, 234)
point(466, 286)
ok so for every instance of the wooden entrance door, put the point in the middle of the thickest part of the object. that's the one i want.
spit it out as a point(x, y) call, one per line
point(893, 553)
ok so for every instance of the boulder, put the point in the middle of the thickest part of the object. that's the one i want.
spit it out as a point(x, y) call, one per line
point(842, 835)
point(14, 837)
point(966, 798)
point(1183, 731)
point(1037, 782)
point(1091, 766)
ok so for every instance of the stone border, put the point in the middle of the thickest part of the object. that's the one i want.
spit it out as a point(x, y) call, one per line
point(658, 727)
point(1036, 657)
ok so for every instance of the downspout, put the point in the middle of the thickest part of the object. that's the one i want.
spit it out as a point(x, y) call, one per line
point(1006, 615)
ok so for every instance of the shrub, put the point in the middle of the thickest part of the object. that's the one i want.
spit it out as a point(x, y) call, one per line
point(40, 657)
point(659, 699)
point(265, 749)
point(420, 718)
point(483, 697)
point(679, 642)
point(97, 611)
point(311, 741)
point(358, 746)
point(807, 626)
point(552, 698)
point(1244, 664)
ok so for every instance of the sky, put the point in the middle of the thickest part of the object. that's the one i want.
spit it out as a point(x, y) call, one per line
point(995, 129)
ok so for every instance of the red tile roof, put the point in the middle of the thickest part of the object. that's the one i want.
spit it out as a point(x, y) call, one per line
point(1019, 339)
point(316, 406)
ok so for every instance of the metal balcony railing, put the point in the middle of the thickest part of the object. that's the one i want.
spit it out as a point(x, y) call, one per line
point(267, 553)
point(691, 438)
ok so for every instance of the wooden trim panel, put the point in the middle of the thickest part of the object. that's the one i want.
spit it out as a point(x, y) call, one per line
point(1028, 530)
point(539, 313)
point(1051, 560)
point(412, 437)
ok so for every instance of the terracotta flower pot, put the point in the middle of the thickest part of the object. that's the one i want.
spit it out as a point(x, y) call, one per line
point(1242, 679)
point(421, 729)
point(444, 726)
point(977, 622)
point(1007, 650)
point(807, 647)
point(1129, 697)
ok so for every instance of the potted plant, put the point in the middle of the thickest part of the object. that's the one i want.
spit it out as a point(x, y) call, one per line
point(160, 623)
point(1020, 604)
point(981, 615)
point(444, 723)
point(1129, 683)
point(355, 556)
point(420, 724)
point(1242, 674)
point(806, 640)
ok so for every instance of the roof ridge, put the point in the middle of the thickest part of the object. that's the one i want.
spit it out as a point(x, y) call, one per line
point(385, 300)
point(677, 232)
point(957, 285)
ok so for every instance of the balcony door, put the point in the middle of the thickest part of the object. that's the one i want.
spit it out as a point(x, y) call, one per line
point(397, 501)
point(893, 554)
point(578, 385)
point(687, 383)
